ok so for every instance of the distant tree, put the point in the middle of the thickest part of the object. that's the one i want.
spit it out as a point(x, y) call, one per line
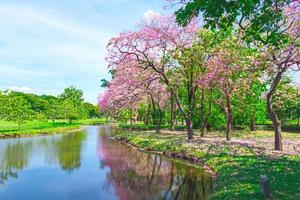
point(91, 110)
point(73, 94)
point(2, 104)
point(287, 101)
point(70, 111)
point(53, 107)
point(15, 109)
point(37, 103)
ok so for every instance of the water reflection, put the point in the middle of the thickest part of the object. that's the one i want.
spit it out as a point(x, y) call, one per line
point(64, 150)
point(89, 165)
point(138, 175)
point(15, 158)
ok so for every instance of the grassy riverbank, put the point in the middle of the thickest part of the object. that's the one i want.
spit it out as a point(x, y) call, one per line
point(9, 129)
point(238, 164)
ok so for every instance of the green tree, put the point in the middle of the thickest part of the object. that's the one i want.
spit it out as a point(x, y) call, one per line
point(91, 110)
point(54, 109)
point(73, 94)
point(15, 109)
point(70, 111)
point(259, 19)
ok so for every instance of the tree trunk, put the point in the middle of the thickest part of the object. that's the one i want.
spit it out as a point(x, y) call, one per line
point(276, 124)
point(148, 114)
point(172, 113)
point(229, 118)
point(160, 117)
point(275, 120)
point(155, 116)
point(205, 120)
point(187, 117)
point(252, 123)
point(189, 128)
point(204, 129)
point(202, 125)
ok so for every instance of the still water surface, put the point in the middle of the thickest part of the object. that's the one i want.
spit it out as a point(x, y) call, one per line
point(89, 165)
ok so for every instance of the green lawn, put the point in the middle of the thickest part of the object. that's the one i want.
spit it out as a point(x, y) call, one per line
point(47, 127)
point(238, 167)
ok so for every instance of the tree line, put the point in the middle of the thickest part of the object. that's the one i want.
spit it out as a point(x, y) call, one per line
point(233, 71)
point(20, 107)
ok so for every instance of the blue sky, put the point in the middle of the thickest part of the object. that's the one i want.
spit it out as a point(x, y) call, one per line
point(47, 45)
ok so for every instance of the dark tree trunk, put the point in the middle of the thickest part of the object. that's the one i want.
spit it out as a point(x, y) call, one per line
point(148, 115)
point(172, 113)
point(156, 121)
point(205, 119)
point(229, 118)
point(276, 124)
point(202, 123)
point(252, 123)
point(160, 117)
point(187, 117)
point(189, 128)
point(274, 117)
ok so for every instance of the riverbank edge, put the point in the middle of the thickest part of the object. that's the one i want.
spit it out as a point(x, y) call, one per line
point(44, 132)
point(227, 174)
point(182, 156)
point(192, 159)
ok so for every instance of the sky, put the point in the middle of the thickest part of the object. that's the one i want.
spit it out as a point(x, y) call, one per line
point(48, 45)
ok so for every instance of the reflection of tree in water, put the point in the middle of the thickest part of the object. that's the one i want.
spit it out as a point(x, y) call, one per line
point(68, 150)
point(64, 150)
point(14, 158)
point(137, 175)
point(188, 183)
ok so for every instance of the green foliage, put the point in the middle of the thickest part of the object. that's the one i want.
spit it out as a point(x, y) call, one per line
point(54, 109)
point(20, 107)
point(287, 102)
point(238, 168)
point(92, 111)
point(73, 94)
point(15, 108)
point(262, 18)
point(70, 111)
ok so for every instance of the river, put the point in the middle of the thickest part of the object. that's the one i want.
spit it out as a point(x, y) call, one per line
point(89, 165)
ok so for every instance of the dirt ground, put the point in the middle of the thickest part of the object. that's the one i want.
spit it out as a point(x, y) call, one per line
point(260, 142)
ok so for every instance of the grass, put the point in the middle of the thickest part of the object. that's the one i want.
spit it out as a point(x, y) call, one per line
point(9, 129)
point(238, 168)
point(142, 126)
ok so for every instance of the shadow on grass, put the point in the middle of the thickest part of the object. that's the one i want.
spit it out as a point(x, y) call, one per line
point(238, 176)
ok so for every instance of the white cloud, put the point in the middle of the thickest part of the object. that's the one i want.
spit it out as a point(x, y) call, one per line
point(20, 89)
point(150, 14)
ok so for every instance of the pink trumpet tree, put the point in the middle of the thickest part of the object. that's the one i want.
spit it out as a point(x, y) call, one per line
point(130, 87)
point(230, 69)
point(151, 47)
point(281, 59)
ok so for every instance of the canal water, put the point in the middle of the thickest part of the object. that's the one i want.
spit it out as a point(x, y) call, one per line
point(89, 165)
